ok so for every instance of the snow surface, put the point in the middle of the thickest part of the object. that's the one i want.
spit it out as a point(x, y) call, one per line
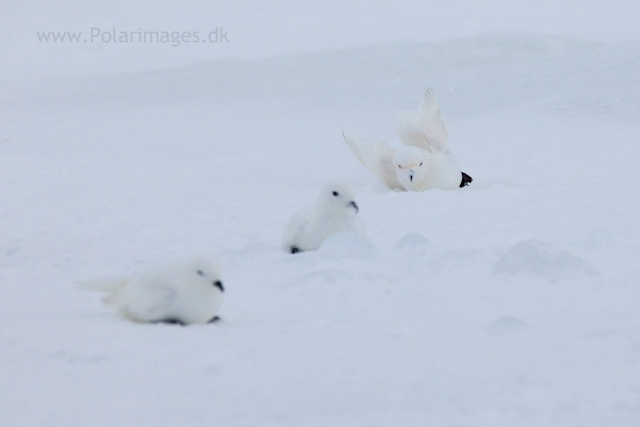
point(511, 302)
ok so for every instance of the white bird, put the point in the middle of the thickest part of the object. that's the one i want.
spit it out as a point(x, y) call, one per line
point(424, 162)
point(335, 212)
point(184, 292)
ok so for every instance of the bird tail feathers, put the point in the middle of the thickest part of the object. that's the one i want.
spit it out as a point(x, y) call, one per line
point(109, 285)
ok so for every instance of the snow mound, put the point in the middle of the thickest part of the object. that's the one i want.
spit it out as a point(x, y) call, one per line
point(412, 243)
point(504, 325)
point(535, 258)
point(347, 246)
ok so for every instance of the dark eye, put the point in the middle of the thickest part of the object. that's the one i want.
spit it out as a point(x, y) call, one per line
point(335, 193)
point(420, 163)
point(200, 272)
point(399, 167)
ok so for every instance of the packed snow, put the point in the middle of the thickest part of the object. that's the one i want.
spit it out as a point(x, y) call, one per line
point(510, 302)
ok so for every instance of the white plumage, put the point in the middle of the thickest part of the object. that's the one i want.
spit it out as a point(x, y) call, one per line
point(184, 292)
point(335, 212)
point(424, 162)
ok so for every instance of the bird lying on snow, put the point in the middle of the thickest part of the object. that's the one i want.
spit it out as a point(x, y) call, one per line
point(335, 212)
point(184, 292)
point(424, 162)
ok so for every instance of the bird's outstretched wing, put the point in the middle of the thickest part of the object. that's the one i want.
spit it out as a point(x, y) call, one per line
point(425, 127)
point(377, 156)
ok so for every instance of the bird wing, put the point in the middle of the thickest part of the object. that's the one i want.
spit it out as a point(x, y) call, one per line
point(377, 156)
point(425, 127)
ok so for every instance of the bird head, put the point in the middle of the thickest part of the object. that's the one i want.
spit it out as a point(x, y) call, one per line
point(409, 163)
point(202, 272)
point(338, 198)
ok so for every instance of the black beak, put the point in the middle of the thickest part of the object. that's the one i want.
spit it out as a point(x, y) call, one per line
point(411, 178)
point(218, 284)
point(354, 206)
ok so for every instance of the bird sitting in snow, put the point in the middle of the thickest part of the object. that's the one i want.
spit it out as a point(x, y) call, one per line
point(184, 292)
point(423, 163)
point(335, 212)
